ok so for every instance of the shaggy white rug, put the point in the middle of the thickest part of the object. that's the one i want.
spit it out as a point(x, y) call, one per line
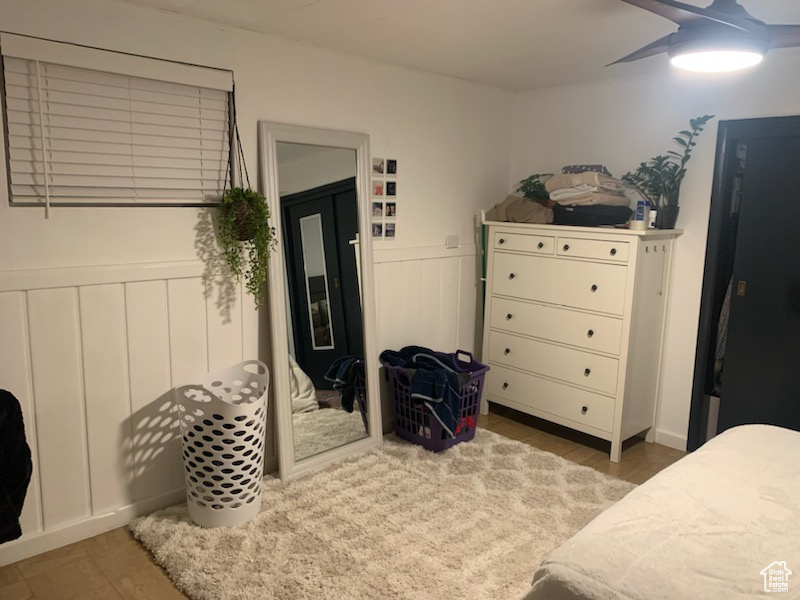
point(472, 522)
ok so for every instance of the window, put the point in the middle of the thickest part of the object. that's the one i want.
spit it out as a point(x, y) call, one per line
point(87, 126)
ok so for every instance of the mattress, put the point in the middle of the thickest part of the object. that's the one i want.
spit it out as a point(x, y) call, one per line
point(712, 525)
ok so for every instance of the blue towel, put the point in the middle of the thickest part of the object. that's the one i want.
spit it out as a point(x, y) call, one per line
point(342, 373)
point(436, 381)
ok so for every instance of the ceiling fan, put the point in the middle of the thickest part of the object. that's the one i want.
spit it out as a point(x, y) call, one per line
point(720, 37)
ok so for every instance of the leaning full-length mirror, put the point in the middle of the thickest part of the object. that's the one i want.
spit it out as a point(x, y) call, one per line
point(321, 309)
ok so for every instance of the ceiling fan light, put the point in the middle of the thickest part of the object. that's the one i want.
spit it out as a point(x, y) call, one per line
point(716, 61)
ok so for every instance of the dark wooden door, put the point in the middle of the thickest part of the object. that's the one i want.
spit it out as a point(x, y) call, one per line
point(323, 286)
point(761, 372)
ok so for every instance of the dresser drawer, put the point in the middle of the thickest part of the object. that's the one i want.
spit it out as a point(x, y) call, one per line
point(592, 286)
point(539, 244)
point(600, 249)
point(550, 397)
point(573, 366)
point(594, 332)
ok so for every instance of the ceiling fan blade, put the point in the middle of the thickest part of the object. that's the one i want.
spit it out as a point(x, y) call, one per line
point(784, 36)
point(657, 47)
point(685, 14)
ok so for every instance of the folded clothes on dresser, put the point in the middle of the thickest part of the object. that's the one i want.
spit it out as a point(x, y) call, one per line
point(592, 198)
point(591, 178)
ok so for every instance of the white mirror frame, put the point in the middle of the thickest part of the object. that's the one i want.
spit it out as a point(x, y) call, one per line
point(269, 134)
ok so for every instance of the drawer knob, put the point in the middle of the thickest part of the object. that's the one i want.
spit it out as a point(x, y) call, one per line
point(509, 316)
point(512, 275)
point(587, 372)
point(505, 384)
point(501, 241)
point(613, 252)
point(584, 410)
point(540, 245)
point(594, 287)
point(590, 333)
point(507, 351)
point(566, 247)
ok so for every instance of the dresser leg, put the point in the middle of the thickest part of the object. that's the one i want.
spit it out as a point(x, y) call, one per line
point(616, 451)
point(484, 406)
point(650, 437)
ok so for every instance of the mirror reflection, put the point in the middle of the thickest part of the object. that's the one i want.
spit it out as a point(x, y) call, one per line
point(319, 210)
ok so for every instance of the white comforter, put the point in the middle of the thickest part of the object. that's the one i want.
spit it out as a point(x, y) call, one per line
point(705, 527)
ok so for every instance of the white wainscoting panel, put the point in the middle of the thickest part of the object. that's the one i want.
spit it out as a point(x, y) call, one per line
point(107, 390)
point(53, 321)
point(427, 297)
point(155, 445)
point(93, 354)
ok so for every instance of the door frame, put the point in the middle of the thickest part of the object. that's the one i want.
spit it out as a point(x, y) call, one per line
point(729, 132)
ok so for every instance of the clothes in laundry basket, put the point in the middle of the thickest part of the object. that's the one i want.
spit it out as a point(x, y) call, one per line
point(436, 381)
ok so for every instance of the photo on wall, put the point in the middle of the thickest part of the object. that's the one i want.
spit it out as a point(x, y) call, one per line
point(391, 167)
point(391, 188)
point(391, 210)
point(377, 189)
point(377, 209)
point(390, 231)
point(378, 166)
point(377, 230)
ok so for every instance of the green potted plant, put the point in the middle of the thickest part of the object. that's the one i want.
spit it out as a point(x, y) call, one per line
point(533, 188)
point(246, 237)
point(659, 179)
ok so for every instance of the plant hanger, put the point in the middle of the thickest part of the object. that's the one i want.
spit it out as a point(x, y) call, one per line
point(236, 156)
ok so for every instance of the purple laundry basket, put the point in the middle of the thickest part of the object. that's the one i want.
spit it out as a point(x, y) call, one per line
point(415, 423)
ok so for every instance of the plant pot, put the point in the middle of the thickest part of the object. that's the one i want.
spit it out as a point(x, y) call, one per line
point(667, 216)
point(245, 228)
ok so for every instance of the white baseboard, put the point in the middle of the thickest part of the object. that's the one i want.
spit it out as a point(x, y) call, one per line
point(43, 541)
point(671, 440)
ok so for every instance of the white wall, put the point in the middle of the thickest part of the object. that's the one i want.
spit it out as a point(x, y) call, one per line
point(622, 123)
point(451, 139)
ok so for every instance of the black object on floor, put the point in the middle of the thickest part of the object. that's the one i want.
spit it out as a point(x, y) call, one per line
point(15, 466)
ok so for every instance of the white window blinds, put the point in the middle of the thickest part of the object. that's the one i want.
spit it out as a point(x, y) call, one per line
point(101, 135)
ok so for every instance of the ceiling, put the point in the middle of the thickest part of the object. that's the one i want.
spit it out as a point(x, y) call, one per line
point(513, 44)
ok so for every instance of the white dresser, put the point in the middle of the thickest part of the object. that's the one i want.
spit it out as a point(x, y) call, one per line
point(574, 324)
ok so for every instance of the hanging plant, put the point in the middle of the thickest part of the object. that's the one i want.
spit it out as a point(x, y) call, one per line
point(244, 232)
point(246, 237)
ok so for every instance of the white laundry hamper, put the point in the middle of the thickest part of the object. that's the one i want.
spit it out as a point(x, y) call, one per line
point(223, 423)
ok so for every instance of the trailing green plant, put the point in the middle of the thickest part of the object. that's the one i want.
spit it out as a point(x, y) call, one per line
point(659, 179)
point(246, 237)
point(533, 187)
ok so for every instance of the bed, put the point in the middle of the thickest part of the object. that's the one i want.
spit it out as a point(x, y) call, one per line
point(713, 525)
